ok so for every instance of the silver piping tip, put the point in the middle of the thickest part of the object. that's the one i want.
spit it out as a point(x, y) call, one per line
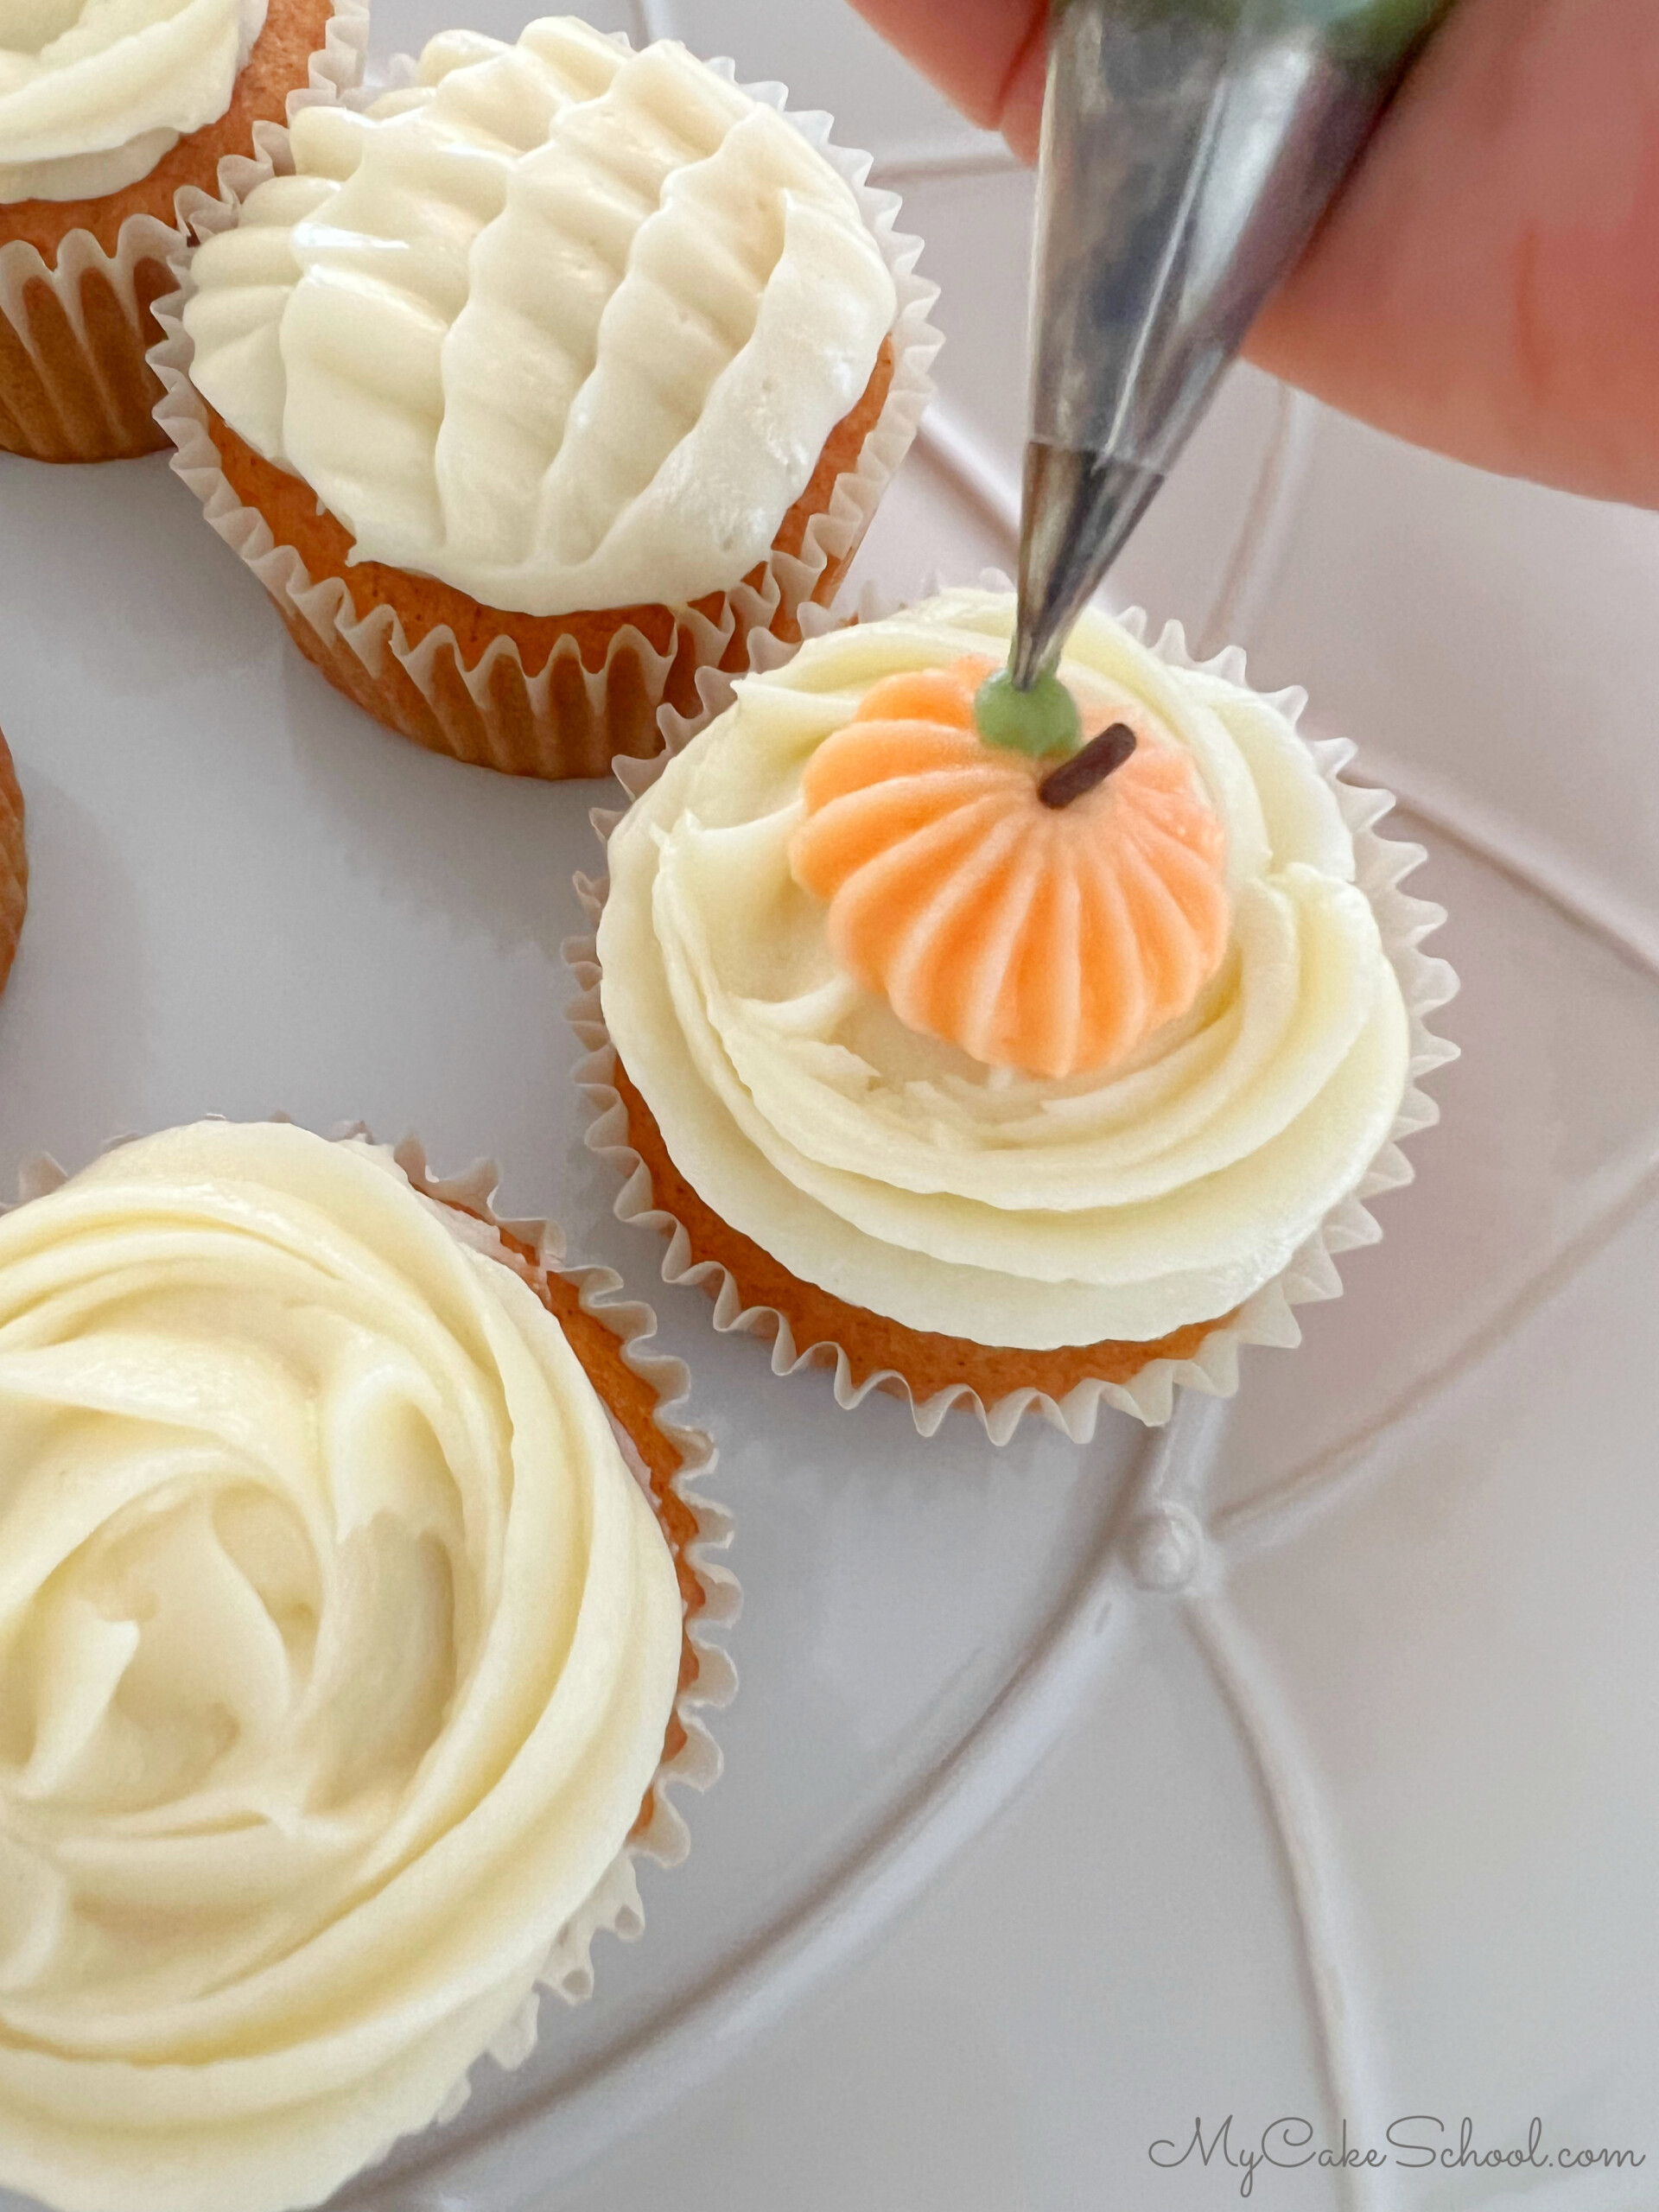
point(1189, 148)
point(1080, 509)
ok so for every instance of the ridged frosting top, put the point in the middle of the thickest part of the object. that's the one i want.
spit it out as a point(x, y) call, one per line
point(95, 92)
point(563, 325)
point(337, 1648)
point(909, 1178)
point(1040, 924)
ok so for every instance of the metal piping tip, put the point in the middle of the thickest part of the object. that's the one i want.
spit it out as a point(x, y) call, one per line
point(1189, 148)
point(1081, 508)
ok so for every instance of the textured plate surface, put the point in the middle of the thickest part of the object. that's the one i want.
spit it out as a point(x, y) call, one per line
point(1037, 1837)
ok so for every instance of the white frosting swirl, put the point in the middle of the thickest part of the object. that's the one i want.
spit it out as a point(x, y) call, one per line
point(93, 93)
point(893, 1171)
point(563, 325)
point(337, 1646)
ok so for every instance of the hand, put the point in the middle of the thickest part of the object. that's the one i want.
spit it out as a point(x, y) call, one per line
point(1488, 282)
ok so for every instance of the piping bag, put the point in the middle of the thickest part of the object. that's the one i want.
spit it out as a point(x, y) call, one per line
point(1189, 149)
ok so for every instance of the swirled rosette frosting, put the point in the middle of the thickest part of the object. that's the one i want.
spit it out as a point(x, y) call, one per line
point(337, 1647)
point(907, 1177)
point(563, 325)
point(93, 93)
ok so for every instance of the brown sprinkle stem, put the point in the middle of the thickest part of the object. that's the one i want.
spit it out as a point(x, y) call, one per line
point(1087, 768)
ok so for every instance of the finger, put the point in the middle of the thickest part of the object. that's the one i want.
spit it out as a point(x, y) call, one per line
point(986, 55)
point(1485, 284)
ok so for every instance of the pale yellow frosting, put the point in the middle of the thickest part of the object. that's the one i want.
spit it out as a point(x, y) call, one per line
point(563, 325)
point(93, 93)
point(897, 1172)
point(337, 1647)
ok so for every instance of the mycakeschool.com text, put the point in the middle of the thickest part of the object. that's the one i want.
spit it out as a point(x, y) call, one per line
point(1290, 2145)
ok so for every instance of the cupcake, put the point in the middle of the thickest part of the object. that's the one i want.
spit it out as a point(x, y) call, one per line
point(14, 864)
point(121, 122)
point(1008, 1081)
point(343, 1662)
point(535, 385)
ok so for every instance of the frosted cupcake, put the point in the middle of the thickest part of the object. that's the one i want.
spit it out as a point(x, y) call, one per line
point(120, 121)
point(542, 382)
point(1006, 1080)
point(342, 1663)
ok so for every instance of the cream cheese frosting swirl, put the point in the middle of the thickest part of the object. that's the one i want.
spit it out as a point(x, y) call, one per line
point(564, 326)
point(93, 93)
point(892, 1169)
point(337, 1648)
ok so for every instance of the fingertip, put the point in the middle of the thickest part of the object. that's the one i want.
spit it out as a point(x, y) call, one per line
point(1019, 110)
point(986, 55)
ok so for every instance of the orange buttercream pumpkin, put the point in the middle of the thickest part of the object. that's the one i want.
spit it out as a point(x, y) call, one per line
point(1054, 940)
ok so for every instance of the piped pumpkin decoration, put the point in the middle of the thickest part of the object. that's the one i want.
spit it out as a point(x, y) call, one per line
point(1045, 915)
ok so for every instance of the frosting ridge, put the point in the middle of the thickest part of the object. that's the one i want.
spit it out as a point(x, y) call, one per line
point(337, 1645)
point(93, 93)
point(891, 1168)
point(563, 325)
point(1039, 922)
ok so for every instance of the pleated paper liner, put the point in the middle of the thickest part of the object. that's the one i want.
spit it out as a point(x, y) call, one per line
point(566, 696)
point(76, 304)
point(642, 1390)
point(801, 1322)
point(14, 863)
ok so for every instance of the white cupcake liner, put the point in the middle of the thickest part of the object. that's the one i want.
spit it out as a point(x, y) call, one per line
point(145, 239)
point(614, 1906)
point(1265, 1318)
point(484, 730)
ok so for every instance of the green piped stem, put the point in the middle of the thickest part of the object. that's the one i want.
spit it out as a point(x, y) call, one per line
point(1043, 720)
